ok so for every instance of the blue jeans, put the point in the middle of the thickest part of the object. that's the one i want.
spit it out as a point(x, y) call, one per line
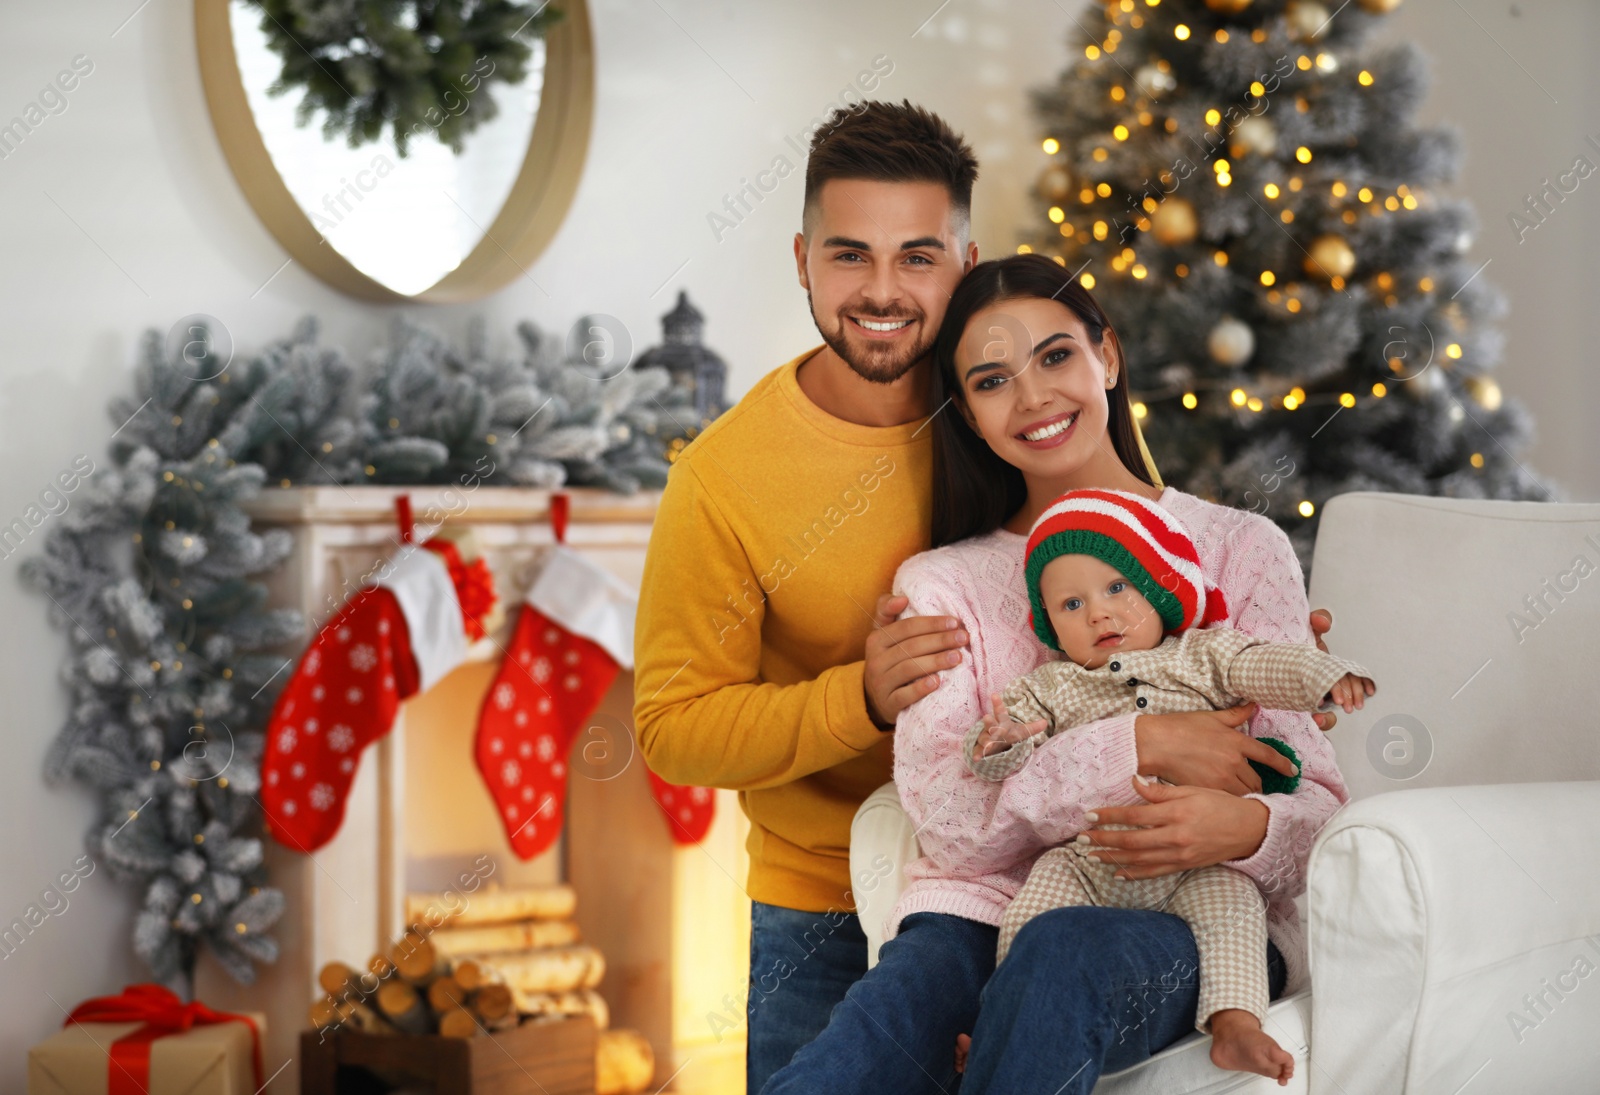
point(801, 964)
point(1084, 991)
point(895, 1030)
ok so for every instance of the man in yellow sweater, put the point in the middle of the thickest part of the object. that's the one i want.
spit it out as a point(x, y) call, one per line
point(765, 660)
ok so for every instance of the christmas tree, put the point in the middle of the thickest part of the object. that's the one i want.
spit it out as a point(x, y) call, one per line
point(1240, 184)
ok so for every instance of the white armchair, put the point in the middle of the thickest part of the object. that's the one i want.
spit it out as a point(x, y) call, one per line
point(1453, 907)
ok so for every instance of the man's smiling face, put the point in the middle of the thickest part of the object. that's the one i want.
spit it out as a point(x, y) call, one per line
point(879, 263)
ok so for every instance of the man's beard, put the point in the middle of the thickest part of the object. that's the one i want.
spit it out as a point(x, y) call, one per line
point(878, 363)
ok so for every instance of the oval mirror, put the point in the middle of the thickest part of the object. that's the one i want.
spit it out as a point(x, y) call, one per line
point(423, 223)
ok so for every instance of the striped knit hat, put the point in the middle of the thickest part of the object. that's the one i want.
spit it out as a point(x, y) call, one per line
point(1143, 541)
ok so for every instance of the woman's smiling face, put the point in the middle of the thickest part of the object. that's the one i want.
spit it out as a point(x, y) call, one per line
point(1035, 384)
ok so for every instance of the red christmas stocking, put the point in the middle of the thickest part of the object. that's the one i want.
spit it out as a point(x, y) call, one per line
point(573, 636)
point(385, 644)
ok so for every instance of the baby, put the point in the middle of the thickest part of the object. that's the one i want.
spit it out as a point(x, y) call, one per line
point(1115, 584)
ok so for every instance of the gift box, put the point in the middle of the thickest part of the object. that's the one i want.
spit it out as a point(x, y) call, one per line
point(162, 1046)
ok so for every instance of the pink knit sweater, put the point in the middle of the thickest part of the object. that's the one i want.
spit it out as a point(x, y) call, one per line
point(979, 839)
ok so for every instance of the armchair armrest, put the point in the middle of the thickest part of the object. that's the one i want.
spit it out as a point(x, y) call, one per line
point(882, 842)
point(1454, 935)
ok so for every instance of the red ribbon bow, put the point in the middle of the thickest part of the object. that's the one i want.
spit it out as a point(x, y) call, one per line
point(162, 1013)
point(474, 584)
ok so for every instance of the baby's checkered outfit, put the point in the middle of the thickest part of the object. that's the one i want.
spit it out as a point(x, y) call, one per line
point(1197, 669)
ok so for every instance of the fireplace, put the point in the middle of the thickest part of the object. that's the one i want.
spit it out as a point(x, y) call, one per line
point(673, 922)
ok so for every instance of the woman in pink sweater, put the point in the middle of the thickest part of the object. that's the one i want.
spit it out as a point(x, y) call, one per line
point(1037, 396)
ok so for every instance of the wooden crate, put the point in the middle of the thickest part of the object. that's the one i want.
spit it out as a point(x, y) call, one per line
point(532, 1059)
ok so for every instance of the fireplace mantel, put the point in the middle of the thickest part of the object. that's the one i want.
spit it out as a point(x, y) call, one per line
point(673, 922)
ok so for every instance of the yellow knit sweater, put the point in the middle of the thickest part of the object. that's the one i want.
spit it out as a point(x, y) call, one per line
point(778, 529)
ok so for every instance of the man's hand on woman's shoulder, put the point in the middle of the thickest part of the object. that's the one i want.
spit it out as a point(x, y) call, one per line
point(905, 656)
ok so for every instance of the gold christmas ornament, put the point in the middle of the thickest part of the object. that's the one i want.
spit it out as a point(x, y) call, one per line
point(1308, 20)
point(1485, 391)
point(1425, 383)
point(1154, 81)
point(1231, 342)
point(1379, 7)
point(1256, 135)
point(1330, 257)
point(1174, 222)
point(1228, 7)
point(1055, 183)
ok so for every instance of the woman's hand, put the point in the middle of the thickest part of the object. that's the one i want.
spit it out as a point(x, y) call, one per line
point(1205, 749)
point(1322, 621)
point(1000, 731)
point(1179, 828)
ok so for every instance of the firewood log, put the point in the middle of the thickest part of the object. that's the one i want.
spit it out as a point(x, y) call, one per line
point(418, 960)
point(335, 978)
point(323, 1013)
point(491, 1002)
point(493, 1006)
point(506, 1022)
point(328, 1013)
point(624, 1063)
point(554, 969)
point(458, 1023)
point(470, 975)
point(561, 1005)
point(362, 1017)
point(404, 1007)
point(502, 938)
point(492, 905)
point(446, 993)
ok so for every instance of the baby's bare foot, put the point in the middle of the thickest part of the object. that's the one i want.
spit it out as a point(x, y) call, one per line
point(963, 1047)
point(1239, 1044)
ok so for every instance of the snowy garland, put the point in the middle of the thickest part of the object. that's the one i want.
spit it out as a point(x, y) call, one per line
point(417, 66)
point(154, 574)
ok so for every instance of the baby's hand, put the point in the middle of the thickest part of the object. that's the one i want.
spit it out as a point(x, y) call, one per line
point(1001, 731)
point(1351, 691)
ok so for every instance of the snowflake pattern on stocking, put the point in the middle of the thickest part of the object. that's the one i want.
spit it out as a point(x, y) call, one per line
point(526, 728)
point(306, 770)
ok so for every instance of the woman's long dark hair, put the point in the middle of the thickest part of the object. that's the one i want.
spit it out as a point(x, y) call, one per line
point(974, 490)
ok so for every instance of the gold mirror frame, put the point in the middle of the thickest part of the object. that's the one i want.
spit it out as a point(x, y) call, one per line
point(534, 209)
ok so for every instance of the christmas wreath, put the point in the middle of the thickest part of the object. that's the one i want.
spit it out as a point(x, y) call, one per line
point(417, 66)
point(153, 574)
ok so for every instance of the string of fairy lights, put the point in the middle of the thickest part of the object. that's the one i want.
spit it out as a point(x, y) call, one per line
point(1080, 212)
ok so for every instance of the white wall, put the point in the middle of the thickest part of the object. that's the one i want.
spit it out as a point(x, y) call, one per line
point(120, 213)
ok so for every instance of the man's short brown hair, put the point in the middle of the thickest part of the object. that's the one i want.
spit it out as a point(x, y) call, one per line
point(889, 143)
